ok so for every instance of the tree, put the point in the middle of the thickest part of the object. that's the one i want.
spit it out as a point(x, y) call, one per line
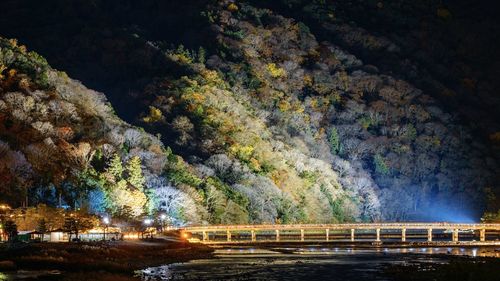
point(491, 217)
point(79, 222)
point(11, 230)
point(42, 228)
point(125, 200)
point(134, 171)
point(155, 115)
point(70, 227)
point(334, 141)
point(115, 167)
point(380, 165)
point(184, 128)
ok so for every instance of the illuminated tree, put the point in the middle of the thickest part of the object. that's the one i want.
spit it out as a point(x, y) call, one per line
point(155, 115)
point(76, 223)
point(122, 198)
point(134, 172)
point(115, 167)
point(334, 141)
point(42, 228)
point(97, 201)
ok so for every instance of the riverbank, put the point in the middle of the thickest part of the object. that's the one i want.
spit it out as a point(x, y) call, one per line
point(99, 261)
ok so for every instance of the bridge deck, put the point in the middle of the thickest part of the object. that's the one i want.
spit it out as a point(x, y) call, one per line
point(344, 226)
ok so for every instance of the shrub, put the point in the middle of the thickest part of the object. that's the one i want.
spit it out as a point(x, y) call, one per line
point(235, 34)
point(380, 165)
point(155, 115)
point(275, 71)
point(232, 7)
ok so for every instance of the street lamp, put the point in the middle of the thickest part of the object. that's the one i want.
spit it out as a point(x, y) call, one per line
point(106, 221)
point(147, 222)
point(162, 218)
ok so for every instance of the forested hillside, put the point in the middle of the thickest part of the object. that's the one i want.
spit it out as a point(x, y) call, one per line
point(244, 112)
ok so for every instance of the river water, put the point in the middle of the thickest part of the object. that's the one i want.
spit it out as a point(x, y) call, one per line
point(307, 263)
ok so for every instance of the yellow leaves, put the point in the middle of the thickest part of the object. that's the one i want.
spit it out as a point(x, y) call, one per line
point(443, 13)
point(198, 98)
point(242, 152)
point(24, 83)
point(275, 71)
point(13, 42)
point(9, 78)
point(314, 102)
point(308, 80)
point(155, 115)
point(298, 108)
point(255, 165)
point(232, 7)
point(2, 68)
point(284, 106)
point(320, 133)
point(212, 77)
point(22, 48)
point(12, 73)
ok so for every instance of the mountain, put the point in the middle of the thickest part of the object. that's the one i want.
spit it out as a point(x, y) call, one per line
point(281, 112)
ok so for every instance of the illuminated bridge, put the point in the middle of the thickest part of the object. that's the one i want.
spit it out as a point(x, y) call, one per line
point(350, 232)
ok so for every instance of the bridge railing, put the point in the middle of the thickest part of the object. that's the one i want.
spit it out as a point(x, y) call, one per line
point(402, 227)
point(411, 225)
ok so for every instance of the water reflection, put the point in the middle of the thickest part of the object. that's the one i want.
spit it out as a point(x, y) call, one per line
point(309, 263)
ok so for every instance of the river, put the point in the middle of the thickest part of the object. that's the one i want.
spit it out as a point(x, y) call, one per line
point(307, 263)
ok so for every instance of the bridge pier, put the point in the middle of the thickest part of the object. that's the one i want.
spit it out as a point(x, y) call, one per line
point(228, 235)
point(327, 232)
point(378, 235)
point(352, 234)
point(254, 237)
point(482, 235)
point(302, 235)
point(277, 235)
point(429, 235)
point(403, 234)
point(205, 236)
point(455, 235)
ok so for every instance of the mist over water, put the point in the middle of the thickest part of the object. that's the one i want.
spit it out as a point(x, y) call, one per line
point(447, 214)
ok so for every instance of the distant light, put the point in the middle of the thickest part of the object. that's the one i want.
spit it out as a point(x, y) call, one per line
point(105, 220)
point(474, 252)
point(163, 216)
point(147, 221)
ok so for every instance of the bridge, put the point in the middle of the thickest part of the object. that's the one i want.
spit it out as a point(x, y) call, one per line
point(348, 232)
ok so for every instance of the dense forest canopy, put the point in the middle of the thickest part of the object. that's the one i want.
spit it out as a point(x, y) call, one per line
point(251, 111)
